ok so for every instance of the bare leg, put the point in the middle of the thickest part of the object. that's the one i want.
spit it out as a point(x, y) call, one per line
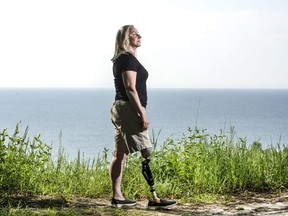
point(116, 169)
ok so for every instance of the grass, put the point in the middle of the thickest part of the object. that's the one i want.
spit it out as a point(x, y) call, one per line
point(198, 165)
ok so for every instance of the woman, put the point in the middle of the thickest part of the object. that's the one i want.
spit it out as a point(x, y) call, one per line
point(129, 117)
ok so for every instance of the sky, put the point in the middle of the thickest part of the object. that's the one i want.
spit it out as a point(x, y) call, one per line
point(185, 43)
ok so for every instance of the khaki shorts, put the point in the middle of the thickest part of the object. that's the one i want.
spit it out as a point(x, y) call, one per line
point(129, 136)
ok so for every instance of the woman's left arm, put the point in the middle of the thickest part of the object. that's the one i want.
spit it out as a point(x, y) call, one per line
point(129, 80)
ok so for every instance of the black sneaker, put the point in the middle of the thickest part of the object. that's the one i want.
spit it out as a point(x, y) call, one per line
point(120, 203)
point(161, 204)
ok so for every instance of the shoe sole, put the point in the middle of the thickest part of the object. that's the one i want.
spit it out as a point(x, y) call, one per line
point(161, 207)
point(122, 205)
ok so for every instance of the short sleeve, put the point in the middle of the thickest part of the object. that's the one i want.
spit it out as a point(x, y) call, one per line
point(127, 62)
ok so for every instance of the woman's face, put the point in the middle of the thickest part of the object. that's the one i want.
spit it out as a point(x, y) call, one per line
point(134, 38)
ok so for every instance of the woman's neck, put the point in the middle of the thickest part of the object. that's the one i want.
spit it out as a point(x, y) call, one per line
point(133, 50)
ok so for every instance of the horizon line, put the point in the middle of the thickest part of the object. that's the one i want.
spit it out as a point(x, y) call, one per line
point(79, 87)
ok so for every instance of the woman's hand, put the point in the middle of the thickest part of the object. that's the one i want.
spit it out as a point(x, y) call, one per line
point(144, 120)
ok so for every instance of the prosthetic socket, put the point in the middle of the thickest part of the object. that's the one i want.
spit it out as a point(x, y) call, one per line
point(146, 171)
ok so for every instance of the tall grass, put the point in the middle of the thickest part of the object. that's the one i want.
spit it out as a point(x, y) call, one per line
point(27, 167)
point(197, 163)
point(200, 163)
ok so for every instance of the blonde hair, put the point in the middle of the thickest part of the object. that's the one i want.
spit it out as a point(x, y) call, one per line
point(122, 41)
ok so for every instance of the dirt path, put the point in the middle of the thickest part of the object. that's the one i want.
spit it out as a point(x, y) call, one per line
point(240, 204)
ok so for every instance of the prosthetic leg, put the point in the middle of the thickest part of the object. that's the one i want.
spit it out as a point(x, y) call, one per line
point(146, 171)
point(156, 203)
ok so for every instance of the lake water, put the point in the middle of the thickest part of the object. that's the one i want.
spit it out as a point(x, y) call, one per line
point(79, 119)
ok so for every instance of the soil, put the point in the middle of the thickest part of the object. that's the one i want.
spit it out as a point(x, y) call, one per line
point(239, 204)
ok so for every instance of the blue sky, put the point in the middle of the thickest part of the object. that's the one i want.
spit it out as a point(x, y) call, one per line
point(185, 44)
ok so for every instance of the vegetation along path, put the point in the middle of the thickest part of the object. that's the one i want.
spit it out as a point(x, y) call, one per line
point(194, 170)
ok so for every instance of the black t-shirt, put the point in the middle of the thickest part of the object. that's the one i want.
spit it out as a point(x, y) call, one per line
point(125, 62)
